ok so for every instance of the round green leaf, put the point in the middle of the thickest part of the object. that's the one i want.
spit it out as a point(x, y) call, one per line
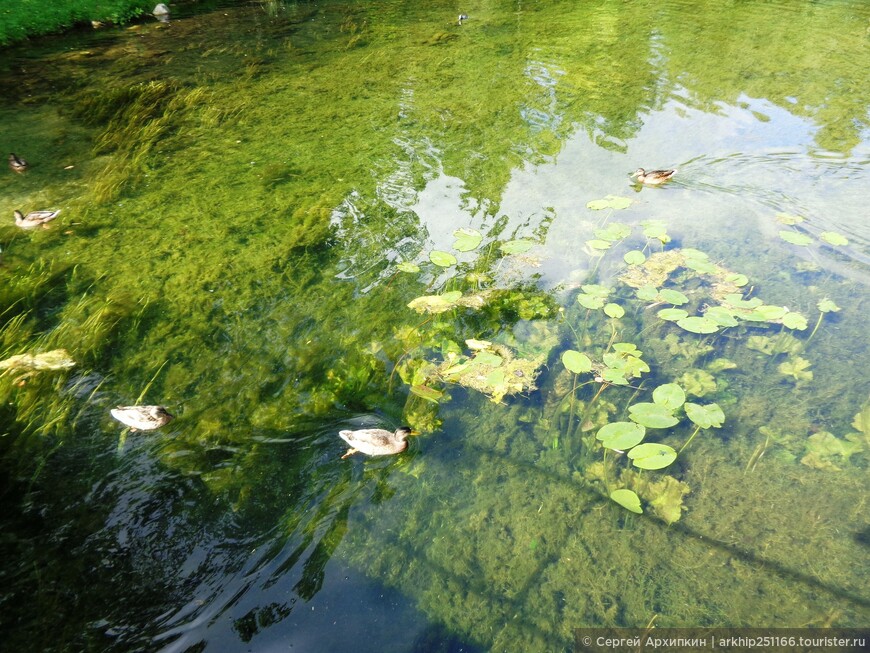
point(827, 306)
point(697, 324)
point(627, 499)
point(738, 280)
point(466, 240)
point(595, 290)
point(652, 455)
point(672, 296)
point(634, 257)
point(721, 316)
point(442, 259)
point(589, 301)
point(517, 246)
point(770, 313)
point(647, 293)
point(614, 310)
point(672, 314)
point(613, 232)
point(669, 395)
point(653, 416)
point(795, 238)
point(787, 218)
point(407, 266)
point(833, 238)
point(576, 362)
point(599, 244)
point(705, 416)
point(794, 321)
point(621, 435)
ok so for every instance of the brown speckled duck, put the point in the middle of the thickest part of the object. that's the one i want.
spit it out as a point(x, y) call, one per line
point(142, 418)
point(653, 177)
point(376, 442)
point(34, 218)
point(17, 163)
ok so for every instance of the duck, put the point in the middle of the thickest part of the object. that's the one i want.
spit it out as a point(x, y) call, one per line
point(142, 418)
point(376, 442)
point(17, 163)
point(462, 17)
point(34, 218)
point(653, 177)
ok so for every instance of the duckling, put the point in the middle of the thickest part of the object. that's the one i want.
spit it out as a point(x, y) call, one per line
point(142, 418)
point(34, 218)
point(376, 442)
point(653, 177)
point(17, 163)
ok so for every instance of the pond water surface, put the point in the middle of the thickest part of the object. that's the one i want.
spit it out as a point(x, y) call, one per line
point(253, 195)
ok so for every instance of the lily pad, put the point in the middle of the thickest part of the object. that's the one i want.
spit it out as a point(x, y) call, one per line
point(656, 229)
point(671, 296)
point(517, 246)
point(669, 395)
point(595, 290)
point(613, 232)
point(621, 436)
point(609, 202)
point(614, 310)
point(672, 314)
point(442, 259)
point(794, 321)
point(697, 324)
point(407, 266)
point(634, 257)
point(653, 416)
point(827, 306)
point(590, 301)
point(466, 240)
point(652, 455)
point(627, 499)
point(707, 416)
point(795, 238)
point(833, 238)
point(789, 219)
point(598, 244)
point(738, 280)
point(576, 362)
point(647, 293)
point(721, 316)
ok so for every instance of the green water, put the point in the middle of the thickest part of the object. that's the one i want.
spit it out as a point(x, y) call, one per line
point(238, 188)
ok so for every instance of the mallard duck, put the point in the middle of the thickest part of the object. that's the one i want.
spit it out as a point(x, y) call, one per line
point(376, 442)
point(653, 177)
point(34, 218)
point(142, 418)
point(17, 163)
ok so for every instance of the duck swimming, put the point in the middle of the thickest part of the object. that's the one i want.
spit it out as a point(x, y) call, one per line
point(34, 218)
point(17, 163)
point(653, 177)
point(142, 418)
point(376, 442)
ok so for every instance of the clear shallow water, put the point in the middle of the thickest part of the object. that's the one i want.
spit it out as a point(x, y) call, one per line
point(244, 182)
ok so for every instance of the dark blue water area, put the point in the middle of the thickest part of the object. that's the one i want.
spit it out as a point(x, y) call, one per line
point(349, 613)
